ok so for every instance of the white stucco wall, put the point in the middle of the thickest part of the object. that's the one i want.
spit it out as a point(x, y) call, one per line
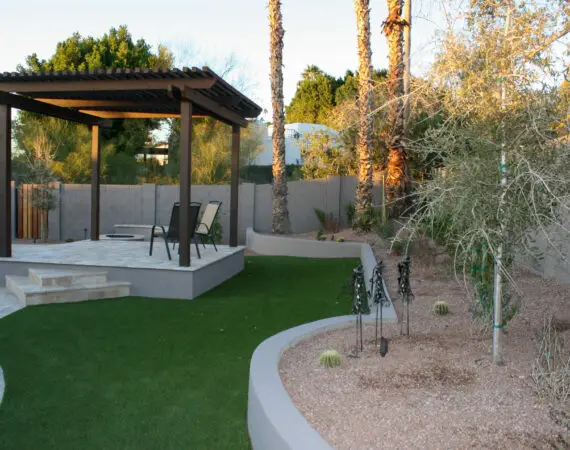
point(293, 132)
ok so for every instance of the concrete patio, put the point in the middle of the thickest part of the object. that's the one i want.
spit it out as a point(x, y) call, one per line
point(150, 276)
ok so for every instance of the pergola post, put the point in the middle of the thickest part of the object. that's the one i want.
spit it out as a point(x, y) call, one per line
point(5, 181)
point(95, 180)
point(185, 181)
point(234, 192)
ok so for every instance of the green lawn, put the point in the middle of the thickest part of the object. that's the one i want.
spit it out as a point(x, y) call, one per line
point(139, 373)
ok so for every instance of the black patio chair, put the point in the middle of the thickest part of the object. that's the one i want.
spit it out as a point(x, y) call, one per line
point(173, 235)
point(205, 228)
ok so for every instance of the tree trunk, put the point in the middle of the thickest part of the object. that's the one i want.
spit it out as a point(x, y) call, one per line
point(407, 16)
point(364, 146)
point(280, 211)
point(397, 176)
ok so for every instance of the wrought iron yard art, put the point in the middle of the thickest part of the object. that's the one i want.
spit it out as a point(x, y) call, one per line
point(405, 290)
point(379, 299)
point(359, 302)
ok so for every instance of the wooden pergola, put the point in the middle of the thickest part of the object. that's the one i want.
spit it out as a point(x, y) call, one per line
point(94, 98)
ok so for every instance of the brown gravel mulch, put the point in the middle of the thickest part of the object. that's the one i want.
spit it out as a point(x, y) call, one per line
point(437, 388)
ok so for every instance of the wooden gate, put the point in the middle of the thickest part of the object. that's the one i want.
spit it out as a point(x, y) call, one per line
point(29, 216)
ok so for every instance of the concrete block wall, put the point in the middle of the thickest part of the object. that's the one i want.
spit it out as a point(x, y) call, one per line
point(148, 204)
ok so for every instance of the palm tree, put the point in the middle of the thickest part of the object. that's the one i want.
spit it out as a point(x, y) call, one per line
point(364, 146)
point(397, 176)
point(280, 211)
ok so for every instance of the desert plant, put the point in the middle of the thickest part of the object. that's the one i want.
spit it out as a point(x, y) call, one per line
point(349, 210)
point(340, 239)
point(366, 221)
point(330, 358)
point(441, 308)
point(217, 230)
point(551, 368)
point(321, 236)
point(327, 221)
point(386, 230)
point(398, 247)
point(321, 215)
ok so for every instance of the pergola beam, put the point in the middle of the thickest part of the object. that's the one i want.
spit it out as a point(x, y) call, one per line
point(185, 181)
point(128, 114)
point(234, 190)
point(82, 104)
point(5, 181)
point(95, 180)
point(105, 85)
point(221, 112)
point(29, 104)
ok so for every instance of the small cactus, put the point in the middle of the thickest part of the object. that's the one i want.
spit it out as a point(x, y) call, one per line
point(340, 239)
point(441, 308)
point(330, 358)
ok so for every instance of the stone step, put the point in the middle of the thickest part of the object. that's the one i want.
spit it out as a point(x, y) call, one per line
point(9, 303)
point(54, 277)
point(31, 293)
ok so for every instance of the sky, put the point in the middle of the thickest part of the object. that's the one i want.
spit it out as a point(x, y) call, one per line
point(320, 32)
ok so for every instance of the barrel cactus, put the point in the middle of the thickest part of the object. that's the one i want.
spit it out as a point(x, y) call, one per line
point(441, 308)
point(330, 358)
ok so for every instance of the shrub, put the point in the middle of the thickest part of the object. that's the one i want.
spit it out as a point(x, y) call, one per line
point(340, 239)
point(349, 209)
point(330, 358)
point(398, 247)
point(327, 221)
point(217, 230)
point(386, 230)
point(551, 368)
point(482, 270)
point(367, 221)
point(321, 215)
point(441, 308)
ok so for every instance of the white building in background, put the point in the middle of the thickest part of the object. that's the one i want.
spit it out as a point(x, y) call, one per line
point(294, 132)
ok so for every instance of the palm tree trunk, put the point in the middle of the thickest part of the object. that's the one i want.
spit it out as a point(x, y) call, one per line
point(397, 170)
point(280, 211)
point(364, 146)
point(407, 16)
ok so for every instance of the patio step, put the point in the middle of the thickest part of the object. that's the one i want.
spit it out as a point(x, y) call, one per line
point(53, 277)
point(29, 292)
point(9, 303)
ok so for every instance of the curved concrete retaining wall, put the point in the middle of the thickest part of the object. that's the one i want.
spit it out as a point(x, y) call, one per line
point(274, 423)
point(2, 385)
point(266, 244)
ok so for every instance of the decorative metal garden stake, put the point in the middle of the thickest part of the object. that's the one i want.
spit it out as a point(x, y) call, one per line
point(405, 290)
point(379, 298)
point(358, 300)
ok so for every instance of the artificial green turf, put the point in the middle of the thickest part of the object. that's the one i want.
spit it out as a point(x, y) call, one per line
point(139, 373)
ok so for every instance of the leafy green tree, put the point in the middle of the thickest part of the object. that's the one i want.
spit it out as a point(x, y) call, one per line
point(313, 99)
point(125, 139)
point(324, 155)
point(211, 149)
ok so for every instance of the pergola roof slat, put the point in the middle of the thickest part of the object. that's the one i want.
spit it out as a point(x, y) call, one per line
point(145, 90)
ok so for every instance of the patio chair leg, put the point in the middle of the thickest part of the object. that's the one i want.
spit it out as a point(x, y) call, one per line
point(197, 249)
point(151, 240)
point(214, 243)
point(166, 244)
